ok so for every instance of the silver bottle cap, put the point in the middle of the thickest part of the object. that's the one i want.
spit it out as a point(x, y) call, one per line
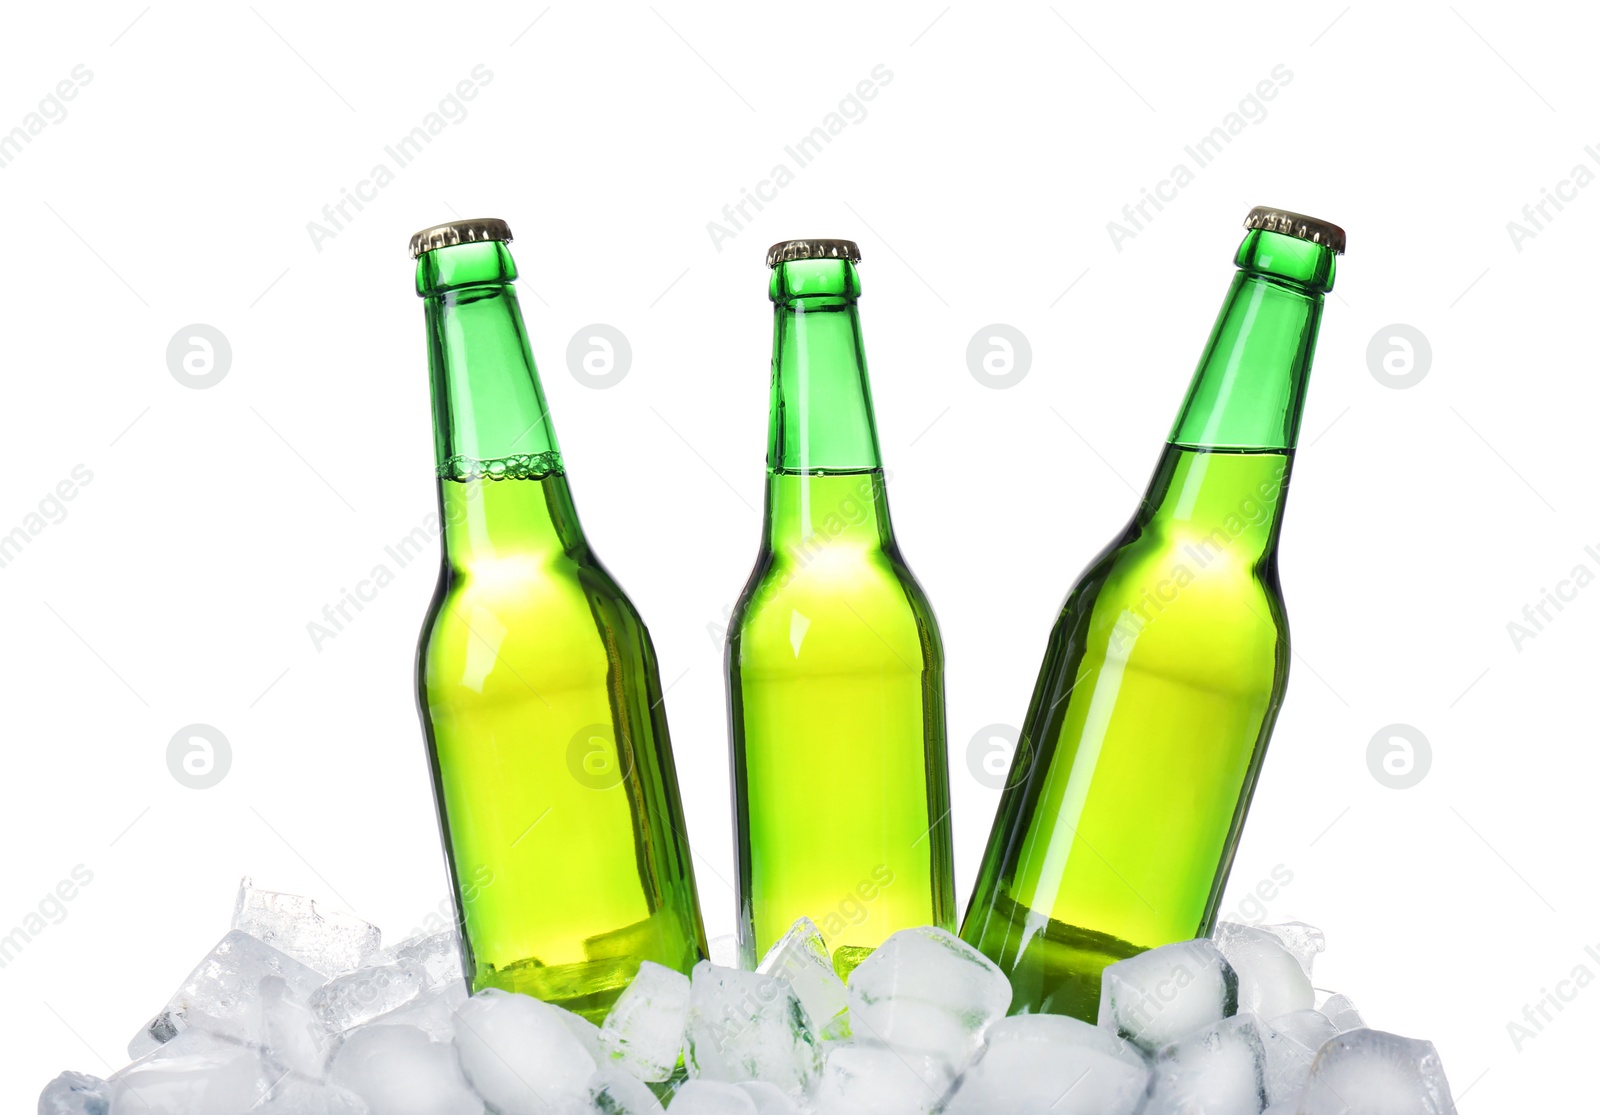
point(459, 232)
point(786, 250)
point(1298, 225)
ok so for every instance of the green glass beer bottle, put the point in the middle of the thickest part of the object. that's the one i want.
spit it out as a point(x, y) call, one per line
point(1165, 670)
point(536, 679)
point(835, 668)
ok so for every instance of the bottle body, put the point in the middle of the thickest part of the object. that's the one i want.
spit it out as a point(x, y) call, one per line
point(1163, 674)
point(834, 661)
point(1161, 681)
point(540, 697)
point(836, 688)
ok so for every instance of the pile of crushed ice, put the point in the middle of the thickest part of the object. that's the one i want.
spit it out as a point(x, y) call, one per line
point(299, 1012)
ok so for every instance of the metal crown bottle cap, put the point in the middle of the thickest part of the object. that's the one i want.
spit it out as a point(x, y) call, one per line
point(1298, 225)
point(786, 250)
point(459, 232)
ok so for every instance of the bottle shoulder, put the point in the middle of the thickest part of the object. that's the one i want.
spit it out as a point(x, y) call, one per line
point(868, 610)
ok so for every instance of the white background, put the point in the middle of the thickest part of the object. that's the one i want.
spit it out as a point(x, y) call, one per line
point(219, 522)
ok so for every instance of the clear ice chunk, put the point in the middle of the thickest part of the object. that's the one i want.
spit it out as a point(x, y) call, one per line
point(291, 1040)
point(712, 1097)
point(347, 1001)
point(614, 1091)
point(294, 1095)
point(926, 991)
point(800, 959)
point(519, 1054)
point(1220, 1070)
point(1304, 942)
point(745, 1026)
point(724, 951)
point(588, 1035)
point(222, 993)
point(439, 954)
point(644, 1031)
point(397, 1070)
point(1374, 1073)
point(75, 1093)
point(1035, 1064)
point(330, 942)
point(1159, 996)
point(1342, 1013)
point(227, 1079)
point(878, 1080)
point(1272, 979)
point(768, 1098)
point(1291, 1041)
point(433, 1012)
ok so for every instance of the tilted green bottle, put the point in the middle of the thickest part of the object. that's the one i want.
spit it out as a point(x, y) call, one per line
point(1165, 671)
point(835, 668)
point(536, 679)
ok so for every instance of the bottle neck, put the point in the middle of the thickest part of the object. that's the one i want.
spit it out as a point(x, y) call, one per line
point(821, 418)
point(503, 496)
point(489, 414)
point(1249, 389)
point(809, 513)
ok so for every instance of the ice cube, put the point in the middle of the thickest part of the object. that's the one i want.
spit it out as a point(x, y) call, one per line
point(439, 954)
point(1159, 996)
point(291, 1040)
point(745, 1026)
point(397, 1070)
point(433, 1012)
point(1219, 1071)
point(800, 958)
point(724, 951)
point(188, 1043)
point(75, 1093)
point(614, 1091)
point(360, 996)
point(1342, 1013)
point(644, 1031)
point(293, 1095)
point(878, 1080)
point(1272, 979)
point(1038, 1063)
point(222, 993)
point(769, 1098)
point(712, 1097)
point(926, 991)
point(229, 1079)
point(588, 1035)
point(330, 942)
point(1311, 1028)
point(519, 1055)
point(1304, 942)
point(1374, 1073)
point(1291, 1041)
